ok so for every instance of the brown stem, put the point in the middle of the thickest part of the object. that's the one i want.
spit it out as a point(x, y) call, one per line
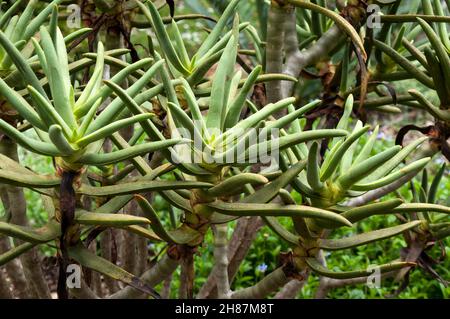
point(187, 276)
point(67, 203)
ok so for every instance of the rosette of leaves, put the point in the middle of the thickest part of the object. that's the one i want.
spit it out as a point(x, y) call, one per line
point(16, 32)
point(194, 68)
point(348, 169)
point(68, 128)
point(218, 132)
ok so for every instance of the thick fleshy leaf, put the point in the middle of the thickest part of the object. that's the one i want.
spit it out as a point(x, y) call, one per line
point(111, 128)
point(105, 267)
point(317, 267)
point(125, 154)
point(21, 106)
point(220, 85)
point(234, 183)
point(109, 220)
point(366, 238)
point(28, 234)
point(212, 38)
point(276, 210)
point(405, 64)
point(139, 187)
point(359, 213)
point(156, 224)
point(51, 116)
point(435, 184)
point(21, 63)
point(359, 171)
point(153, 16)
point(278, 229)
point(21, 179)
point(438, 46)
point(15, 252)
point(254, 119)
point(291, 140)
point(329, 167)
point(116, 106)
point(33, 26)
point(416, 166)
point(9, 13)
point(95, 81)
point(270, 191)
point(143, 232)
point(57, 72)
point(313, 169)
point(443, 115)
point(56, 134)
point(236, 106)
point(368, 146)
point(395, 160)
point(419, 207)
point(105, 90)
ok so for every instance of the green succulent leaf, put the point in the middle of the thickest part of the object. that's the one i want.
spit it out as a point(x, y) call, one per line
point(21, 106)
point(212, 38)
point(357, 214)
point(21, 63)
point(364, 168)
point(220, 85)
point(55, 132)
point(15, 252)
point(163, 38)
point(317, 267)
point(231, 184)
point(105, 267)
point(275, 210)
point(313, 170)
point(366, 238)
point(129, 153)
point(28, 234)
point(405, 64)
point(439, 47)
point(329, 167)
point(31, 144)
point(419, 207)
point(139, 187)
point(111, 128)
point(109, 220)
point(184, 235)
point(236, 106)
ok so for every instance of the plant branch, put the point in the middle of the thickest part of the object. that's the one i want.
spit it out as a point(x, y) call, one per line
point(221, 257)
point(269, 284)
point(274, 50)
point(160, 271)
point(291, 289)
